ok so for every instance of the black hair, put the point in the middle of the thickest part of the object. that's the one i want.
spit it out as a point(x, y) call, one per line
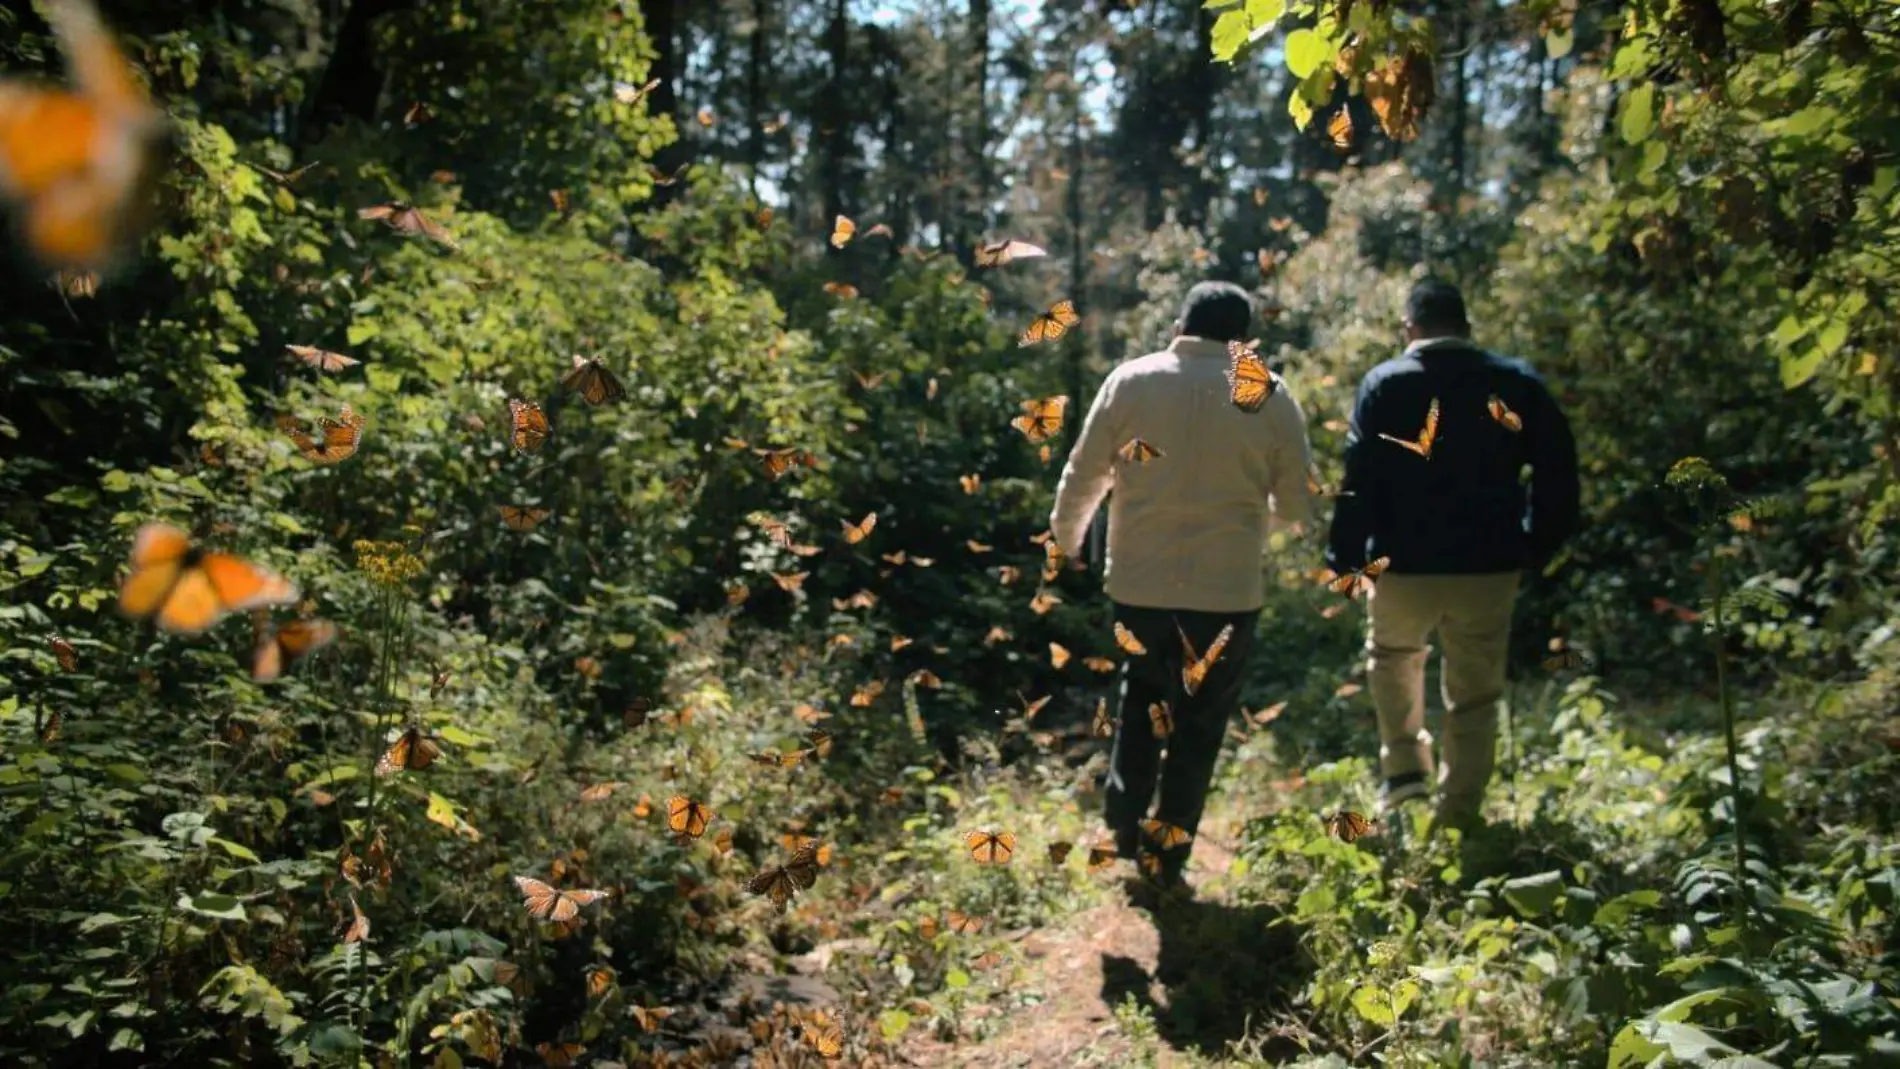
point(1218, 311)
point(1437, 308)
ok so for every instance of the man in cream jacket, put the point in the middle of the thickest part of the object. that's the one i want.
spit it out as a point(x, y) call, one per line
point(1195, 479)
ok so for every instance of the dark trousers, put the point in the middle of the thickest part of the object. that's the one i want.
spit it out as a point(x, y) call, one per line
point(1186, 767)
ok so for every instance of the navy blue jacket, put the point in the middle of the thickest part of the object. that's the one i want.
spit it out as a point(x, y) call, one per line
point(1471, 508)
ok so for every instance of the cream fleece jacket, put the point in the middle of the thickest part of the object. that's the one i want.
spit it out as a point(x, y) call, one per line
point(1186, 529)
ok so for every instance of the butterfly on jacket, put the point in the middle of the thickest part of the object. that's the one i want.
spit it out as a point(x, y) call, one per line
point(1137, 451)
point(1249, 381)
point(591, 379)
point(1426, 437)
point(1194, 669)
point(1051, 325)
point(1166, 836)
point(79, 165)
point(185, 589)
point(1501, 412)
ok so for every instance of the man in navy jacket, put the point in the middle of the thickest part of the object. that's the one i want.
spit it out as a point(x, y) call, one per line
point(1436, 486)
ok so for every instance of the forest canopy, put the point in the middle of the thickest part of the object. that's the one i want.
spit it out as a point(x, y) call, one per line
point(524, 530)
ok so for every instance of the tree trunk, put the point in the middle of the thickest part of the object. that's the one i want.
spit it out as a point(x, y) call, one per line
point(755, 98)
point(980, 176)
point(352, 81)
point(833, 123)
point(1460, 106)
point(662, 28)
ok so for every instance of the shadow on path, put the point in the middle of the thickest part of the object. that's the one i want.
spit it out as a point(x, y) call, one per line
point(1222, 969)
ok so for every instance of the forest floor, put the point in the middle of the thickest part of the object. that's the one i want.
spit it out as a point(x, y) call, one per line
point(1190, 965)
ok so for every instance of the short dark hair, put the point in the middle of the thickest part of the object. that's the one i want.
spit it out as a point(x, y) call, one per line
point(1218, 311)
point(1437, 306)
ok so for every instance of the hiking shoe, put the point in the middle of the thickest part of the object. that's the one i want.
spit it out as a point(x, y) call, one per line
point(1402, 788)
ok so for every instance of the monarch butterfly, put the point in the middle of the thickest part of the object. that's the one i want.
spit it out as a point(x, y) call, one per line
point(1127, 641)
point(600, 792)
point(406, 218)
point(1347, 690)
point(650, 1018)
point(872, 381)
point(1101, 856)
point(49, 731)
point(1102, 727)
point(661, 178)
point(722, 842)
point(1194, 669)
point(781, 882)
point(1423, 446)
point(78, 164)
point(322, 359)
point(341, 436)
point(1161, 719)
point(705, 117)
point(184, 589)
point(1041, 419)
point(997, 633)
point(1346, 825)
point(1058, 655)
point(546, 903)
point(528, 428)
point(842, 231)
point(1268, 261)
point(417, 114)
point(413, 751)
point(279, 646)
point(593, 381)
point(737, 593)
point(820, 740)
point(863, 599)
point(687, 819)
point(1501, 412)
point(1320, 489)
point(1269, 714)
point(1249, 381)
point(599, 979)
point(790, 582)
point(809, 714)
point(778, 462)
point(858, 532)
point(1043, 602)
point(1167, 836)
point(75, 284)
point(1008, 574)
point(880, 230)
point(559, 1055)
point(1030, 709)
point(868, 693)
point(1353, 584)
point(1137, 451)
point(825, 1035)
point(970, 483)
point(844, 290)
point(777, 531)
point(64, 653)
point(778, 758)
point(924, 677)
point(1150, 863)
point(989, 847)
point(359, 924)
point(1339, 130)
point(1007, 251)
point(1049, 326)
point(523, 517)
point(627, 93)
point(1098, 664)
point(978, 547)
point(962, 923)
point(772, 126)
point(1565, 659)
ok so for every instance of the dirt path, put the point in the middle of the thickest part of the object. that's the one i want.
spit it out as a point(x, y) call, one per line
point(1195, 966)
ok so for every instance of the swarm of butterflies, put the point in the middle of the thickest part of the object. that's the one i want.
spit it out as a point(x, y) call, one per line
point(77, 165)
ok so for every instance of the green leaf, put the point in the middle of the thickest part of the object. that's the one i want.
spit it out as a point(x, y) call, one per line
point(324, 782)
point(239, 851)
point(361, 331)
point(1305, 51)
point(125, 773)
point(1370, 1002)
point(1797, 370)
point(1534, 895)
point(893, 1023)
point(1229, 34)
point(956, 979)
point(1557, 43)
point(212, 904)
point(1301, 111)
point(1807, 121)
point(1638, 118)
point(126, 1039)
point(115, 482)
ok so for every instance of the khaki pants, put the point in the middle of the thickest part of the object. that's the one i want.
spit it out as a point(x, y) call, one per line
point(1472, 615)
